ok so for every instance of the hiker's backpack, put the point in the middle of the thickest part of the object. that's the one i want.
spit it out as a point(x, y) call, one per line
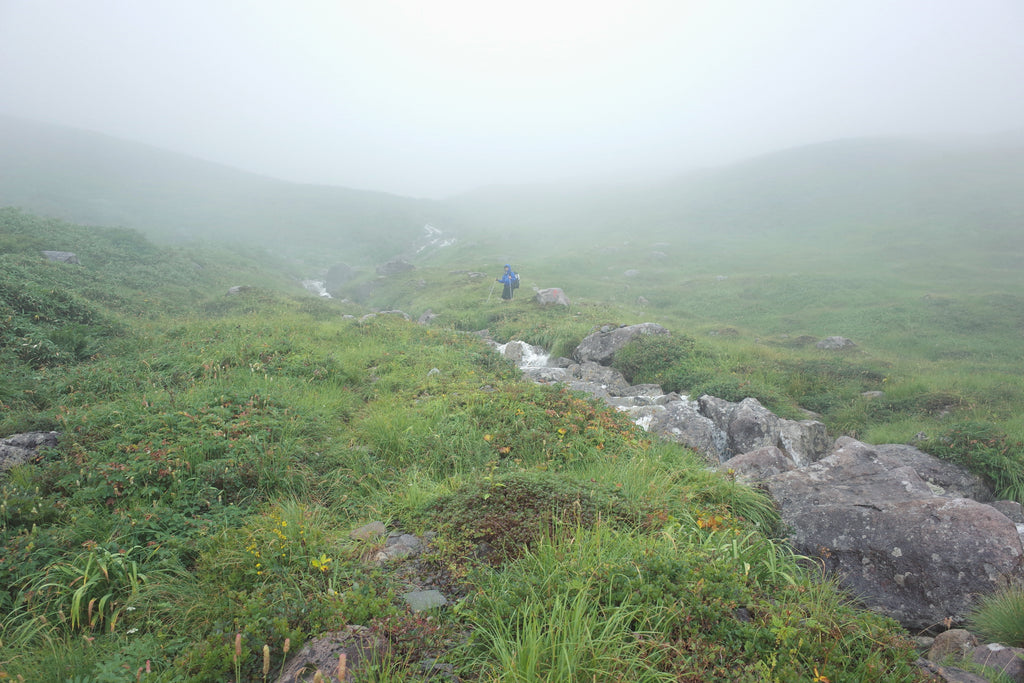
point(515, 280)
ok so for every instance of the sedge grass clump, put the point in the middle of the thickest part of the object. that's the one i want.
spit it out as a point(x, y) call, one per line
point(732, 606)
point(999, 617)
point(986, 451)
point(92, 590)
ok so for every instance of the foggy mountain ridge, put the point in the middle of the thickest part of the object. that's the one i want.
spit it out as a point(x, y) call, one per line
point(95, 179)
point(859, 182)
point(900, 185)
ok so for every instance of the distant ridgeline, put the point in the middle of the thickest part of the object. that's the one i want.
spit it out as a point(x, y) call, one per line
point(964, 191)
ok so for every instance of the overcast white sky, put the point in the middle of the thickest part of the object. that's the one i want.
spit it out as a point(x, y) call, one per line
point(434, 97)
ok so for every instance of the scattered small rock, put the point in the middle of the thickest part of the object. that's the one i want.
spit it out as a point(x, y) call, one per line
point(394, 266)
point(368, 532)
point(835, 344)
point(62, 257)
point(956, 641)
point(420, 601)
point(1009, 661)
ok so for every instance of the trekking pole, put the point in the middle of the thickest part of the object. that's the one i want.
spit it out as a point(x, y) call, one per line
point(491, 292)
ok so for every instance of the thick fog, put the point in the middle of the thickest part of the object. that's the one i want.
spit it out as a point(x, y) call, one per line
point(434, 98)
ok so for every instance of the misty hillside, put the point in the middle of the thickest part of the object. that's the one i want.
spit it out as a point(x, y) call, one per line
point(862, 182)
point(898, 188)
point(872, 197)
point(96, 179)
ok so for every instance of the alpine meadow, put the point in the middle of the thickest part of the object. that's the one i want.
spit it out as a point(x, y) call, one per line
point(239, 456)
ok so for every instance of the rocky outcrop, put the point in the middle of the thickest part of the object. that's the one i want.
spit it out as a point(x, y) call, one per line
point(910, 535)
point(394, 266)
point(21, 448)
point(759, 465)
point(803, 440)
point(600, 347)
point(747, 425)
point(721, 429)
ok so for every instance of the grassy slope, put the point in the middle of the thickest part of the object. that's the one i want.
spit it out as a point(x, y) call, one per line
point(248, 411)
point(941, 343)
point(218, 449)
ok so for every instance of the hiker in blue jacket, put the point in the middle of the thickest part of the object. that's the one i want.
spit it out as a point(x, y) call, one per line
point(511, 281)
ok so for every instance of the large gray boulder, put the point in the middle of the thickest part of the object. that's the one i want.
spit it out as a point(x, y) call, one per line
point(552, 295)
point(544, 375)
point(600, 347)
point(682, 422)
point(758, 465)
point(597, 379)
point(943, 477)
point(804, 441)
point(901, 549)
point(751, 426)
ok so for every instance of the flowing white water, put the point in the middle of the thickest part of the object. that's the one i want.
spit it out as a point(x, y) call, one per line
point(317, 287)
point(532, 356)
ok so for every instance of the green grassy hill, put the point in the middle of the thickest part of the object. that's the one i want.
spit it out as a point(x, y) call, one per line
point(193, 524)
point(219, 447)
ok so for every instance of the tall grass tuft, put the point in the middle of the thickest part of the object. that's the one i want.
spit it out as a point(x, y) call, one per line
point(999, 617)
point(91, 591)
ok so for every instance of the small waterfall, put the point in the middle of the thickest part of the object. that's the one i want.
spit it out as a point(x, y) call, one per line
point(524, 355)
point(317, 287)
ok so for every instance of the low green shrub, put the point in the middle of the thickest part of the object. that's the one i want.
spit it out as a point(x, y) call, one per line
point(735, 388)
point(657, 359)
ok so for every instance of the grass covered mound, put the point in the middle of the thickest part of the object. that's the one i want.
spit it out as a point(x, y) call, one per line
point(217, 449)
point(500, 518)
